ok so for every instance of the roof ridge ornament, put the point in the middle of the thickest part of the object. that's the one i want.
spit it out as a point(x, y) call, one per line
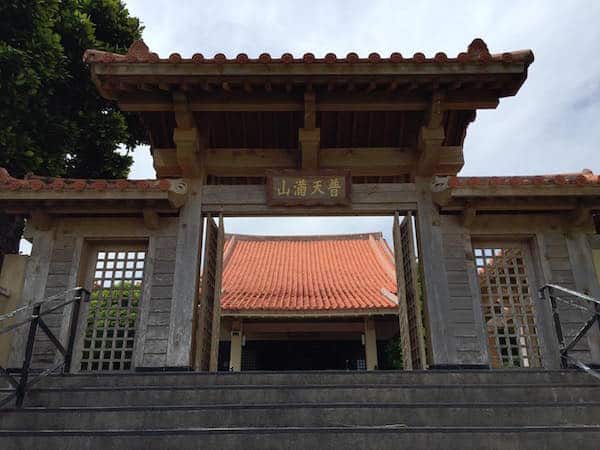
point(138, 49)
point(478, 48)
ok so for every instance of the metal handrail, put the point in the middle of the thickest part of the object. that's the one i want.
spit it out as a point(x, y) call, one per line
point(592, 306)
point(35, 321)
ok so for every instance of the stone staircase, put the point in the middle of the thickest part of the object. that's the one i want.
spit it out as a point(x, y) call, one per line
point(514, 409)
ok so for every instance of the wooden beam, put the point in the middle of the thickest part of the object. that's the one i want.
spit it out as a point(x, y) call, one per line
point(250, 162)
point(252, 101)
point(303, 327)
point(367, 199)
point(380, 160)
point(360, 69)
point(363, 161)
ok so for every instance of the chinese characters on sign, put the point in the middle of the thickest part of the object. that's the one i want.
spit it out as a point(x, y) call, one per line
point(289, 188)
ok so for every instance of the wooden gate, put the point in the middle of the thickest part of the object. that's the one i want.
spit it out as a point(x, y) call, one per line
point(208, 311)
point(409, 303)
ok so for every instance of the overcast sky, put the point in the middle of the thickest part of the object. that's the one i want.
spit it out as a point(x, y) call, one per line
point(552, 125)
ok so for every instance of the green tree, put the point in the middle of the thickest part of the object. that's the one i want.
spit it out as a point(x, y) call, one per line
point(52, 120)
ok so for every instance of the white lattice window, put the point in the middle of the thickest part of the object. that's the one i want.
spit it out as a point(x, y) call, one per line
point(508, 305)
point(111, 315)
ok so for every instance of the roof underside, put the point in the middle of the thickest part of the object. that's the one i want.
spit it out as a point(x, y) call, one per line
point(371, 104)
point(314, 274)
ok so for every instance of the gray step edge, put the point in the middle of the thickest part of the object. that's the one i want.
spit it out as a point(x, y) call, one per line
point(283, 430)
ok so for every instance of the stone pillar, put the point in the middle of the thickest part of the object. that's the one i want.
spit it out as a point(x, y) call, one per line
point(586, 281)
point(11, 282)
point(34, 287)
point(441, 343)
point(370, 344)
point(186, 279)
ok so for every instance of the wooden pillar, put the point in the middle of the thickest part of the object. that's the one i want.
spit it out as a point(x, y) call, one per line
point(235, 353)
point(190, 143)
point(442, 347)
point(186, 279)
point(370, 344)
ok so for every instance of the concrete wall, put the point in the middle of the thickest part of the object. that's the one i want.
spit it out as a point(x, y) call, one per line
point(12, 278)
point(60, 260)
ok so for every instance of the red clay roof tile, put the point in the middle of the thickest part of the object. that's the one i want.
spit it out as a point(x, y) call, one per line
point(346, 273)
point(586, 177)
point(37, 183)
point(477, 51)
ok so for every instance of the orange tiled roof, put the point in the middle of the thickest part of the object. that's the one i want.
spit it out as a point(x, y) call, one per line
point(37, 183)
point(347, 273)
point(476, 52)
point(586, 177)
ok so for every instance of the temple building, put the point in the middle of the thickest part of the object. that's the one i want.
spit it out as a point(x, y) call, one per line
point(309, 302)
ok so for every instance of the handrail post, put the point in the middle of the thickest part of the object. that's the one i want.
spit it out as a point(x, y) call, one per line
point(82, 294)
point(22, 388)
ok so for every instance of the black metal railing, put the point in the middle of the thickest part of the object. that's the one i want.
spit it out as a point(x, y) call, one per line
point(557, 294)
point(33, 314)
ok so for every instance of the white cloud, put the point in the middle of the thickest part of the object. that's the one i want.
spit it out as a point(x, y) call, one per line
point(550, 126)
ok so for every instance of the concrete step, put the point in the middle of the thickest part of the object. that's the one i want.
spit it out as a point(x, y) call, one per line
point(320, 377)
point(303, 415)
point(324, 438)
point(251, 394)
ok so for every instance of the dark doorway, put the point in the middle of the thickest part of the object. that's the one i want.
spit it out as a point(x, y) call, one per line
point(303, 355)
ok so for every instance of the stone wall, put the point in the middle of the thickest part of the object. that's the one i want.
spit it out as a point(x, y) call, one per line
point(60, 261)
point(465, 317)
point(559, 255)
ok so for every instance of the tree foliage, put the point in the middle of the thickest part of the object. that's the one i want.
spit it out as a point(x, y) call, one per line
point(52, 119)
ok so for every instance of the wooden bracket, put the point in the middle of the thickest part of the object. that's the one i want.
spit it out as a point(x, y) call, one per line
point(441, 193)
point(431, 137)
point(430, 143)
point(41, 220)
point(309, 141)
point(190, 143)
point(581, 216)
point(469, 214)
point(178, 193)
point(151, 219)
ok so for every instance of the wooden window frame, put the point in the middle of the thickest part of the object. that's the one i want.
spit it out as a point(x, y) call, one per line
point(87, 269)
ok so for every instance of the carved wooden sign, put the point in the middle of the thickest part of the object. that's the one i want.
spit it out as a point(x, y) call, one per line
point(295, 188)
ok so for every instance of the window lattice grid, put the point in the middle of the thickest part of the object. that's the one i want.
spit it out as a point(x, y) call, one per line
point(112, 312)
point(507, 303)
